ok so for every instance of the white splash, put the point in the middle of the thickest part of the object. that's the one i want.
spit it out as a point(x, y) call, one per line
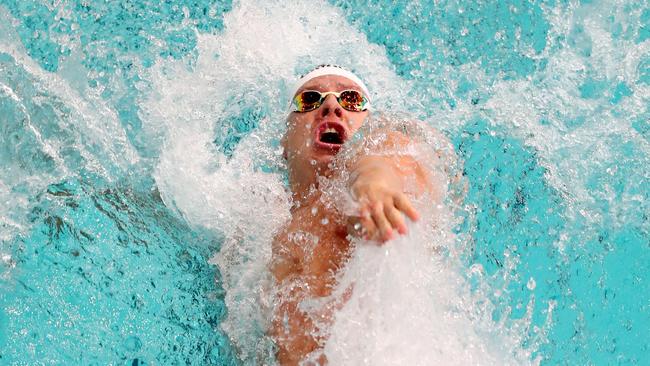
point(253, 62)
point(536, 109)
point(49, 132)
point(411, 306)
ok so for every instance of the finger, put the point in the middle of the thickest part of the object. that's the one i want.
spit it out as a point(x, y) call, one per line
point(404, 204)
point(369, 228)
point(381, 221)
point(395, 218)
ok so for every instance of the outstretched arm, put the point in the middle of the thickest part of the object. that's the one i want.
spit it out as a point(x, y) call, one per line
point(384, 185)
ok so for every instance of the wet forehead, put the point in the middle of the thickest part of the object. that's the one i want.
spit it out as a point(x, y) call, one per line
point(330, 83)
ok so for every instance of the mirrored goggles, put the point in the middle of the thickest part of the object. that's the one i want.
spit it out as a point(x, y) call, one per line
point(351, 100)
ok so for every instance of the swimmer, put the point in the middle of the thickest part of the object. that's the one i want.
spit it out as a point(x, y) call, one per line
point(329, 105)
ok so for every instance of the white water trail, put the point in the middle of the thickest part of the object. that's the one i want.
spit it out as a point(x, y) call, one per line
point(49, 131)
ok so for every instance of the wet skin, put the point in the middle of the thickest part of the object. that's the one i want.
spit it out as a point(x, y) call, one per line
point(315, 244)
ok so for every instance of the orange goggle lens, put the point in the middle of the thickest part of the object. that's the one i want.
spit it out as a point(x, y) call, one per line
point(350, 100)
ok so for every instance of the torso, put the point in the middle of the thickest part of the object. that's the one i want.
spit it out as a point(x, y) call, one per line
point(312, 247)
point(307, 255)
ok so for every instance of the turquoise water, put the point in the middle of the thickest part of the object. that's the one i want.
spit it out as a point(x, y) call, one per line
point(546, 103)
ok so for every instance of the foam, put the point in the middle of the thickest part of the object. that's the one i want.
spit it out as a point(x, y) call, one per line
point(409, 306)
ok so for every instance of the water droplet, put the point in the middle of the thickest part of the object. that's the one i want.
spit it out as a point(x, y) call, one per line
point(314, 210)
point(313, 162)
point(476, 269)
point(324, 221)
point(531, 284)
point(357, 226)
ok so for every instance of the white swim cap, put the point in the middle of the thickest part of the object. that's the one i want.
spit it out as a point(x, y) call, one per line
point(322, 70)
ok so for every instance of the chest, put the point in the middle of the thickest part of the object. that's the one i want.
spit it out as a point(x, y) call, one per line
point(324, 224)
point(315, 241)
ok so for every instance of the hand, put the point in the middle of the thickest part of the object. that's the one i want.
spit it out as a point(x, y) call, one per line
point(378, 189)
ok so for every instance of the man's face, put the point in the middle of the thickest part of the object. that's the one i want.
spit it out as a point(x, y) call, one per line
point(313, 138)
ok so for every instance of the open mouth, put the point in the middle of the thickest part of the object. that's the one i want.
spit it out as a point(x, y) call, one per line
point(330, 135)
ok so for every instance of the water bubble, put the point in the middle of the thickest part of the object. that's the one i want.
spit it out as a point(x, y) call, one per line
point(531, 284)
point(314, 210)
point(357, 226)
point(325, 221)
point(312, 162)
point(132, 344)
point(476, 269)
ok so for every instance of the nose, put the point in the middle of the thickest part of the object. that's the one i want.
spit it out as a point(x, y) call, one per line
point(331, 105)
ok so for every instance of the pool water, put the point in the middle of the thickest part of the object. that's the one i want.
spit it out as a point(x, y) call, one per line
point(136, 136)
